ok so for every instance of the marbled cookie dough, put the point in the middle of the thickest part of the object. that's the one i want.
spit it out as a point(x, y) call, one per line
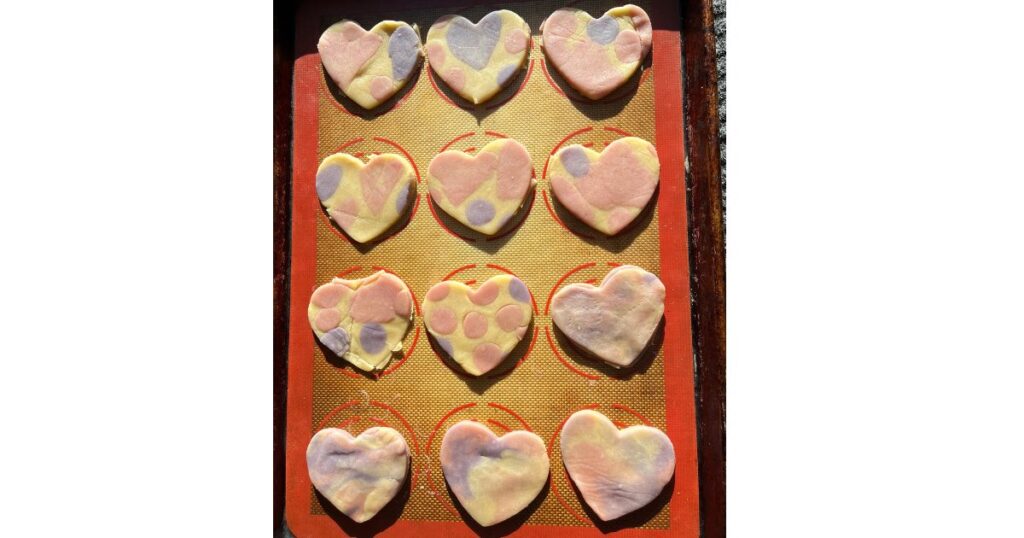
point(359, 475)
point(370, 66)
point(478, 60)
point(478, 328)
point(616, 471)
point(364, 320)
point(482, 191)
point(606, 190)
point(615, 320)
point(597, 55)
point(365, 199)
point(493, 477)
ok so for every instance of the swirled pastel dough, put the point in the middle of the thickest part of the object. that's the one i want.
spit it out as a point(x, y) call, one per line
point(615, 320)
point(597, 55)
point(365, 199)
point(362, 321)
point(493, 477)
point(606, 190)
point(616, 471)
point(478, 328)
point(359, 475)
point(370, 66)
point(482, 191)
point(478, 60)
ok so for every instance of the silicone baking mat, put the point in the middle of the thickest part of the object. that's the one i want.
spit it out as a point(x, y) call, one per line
point(544, 380)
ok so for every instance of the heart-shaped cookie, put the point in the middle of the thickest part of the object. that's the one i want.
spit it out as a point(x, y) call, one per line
point(478, 328)
point(615, 320)
point(359, 475)
point(493, 477)
point(370, 66)
point(365, 199)
point(597, 55)
point(362, 321)
point(606, 190)
point(478, 60)
point(616, 471)
point(482, 191)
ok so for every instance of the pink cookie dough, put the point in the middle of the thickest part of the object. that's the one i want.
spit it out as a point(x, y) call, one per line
point(359, 475)
point(597, 55)
point(616, 471)
point(493, 477)
point(615, 320)
point(606, 190)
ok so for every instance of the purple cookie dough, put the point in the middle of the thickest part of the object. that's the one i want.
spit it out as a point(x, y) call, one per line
point(479, 212)
point(575, 161)
point(474, 43)
point(337, 340)
point(372, 337)
point(403, 49)
point(327, 180)
point(603, 30)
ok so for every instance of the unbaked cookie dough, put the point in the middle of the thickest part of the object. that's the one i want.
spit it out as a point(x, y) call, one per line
point(615, 320)
point(365, 199)
point(364, 320)
point(616, 471)
point(606, 190)
point(597, 55)
point(478, 60)
point(359, 475)
point(478, 328)
point(370, 66)
point(493, 477)
point(482, 191)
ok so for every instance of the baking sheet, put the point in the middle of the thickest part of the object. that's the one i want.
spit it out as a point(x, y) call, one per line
point(545, 380)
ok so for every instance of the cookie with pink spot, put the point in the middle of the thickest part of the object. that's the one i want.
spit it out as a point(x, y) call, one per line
point(370, 66)
point(478, 60)
point(364, 320)
point(365, 199)
point(358, 475)
point(606, 190)
point(597, 55)
point(616, 471)
point(478, 328)
point(482, 191)
point(615, 320)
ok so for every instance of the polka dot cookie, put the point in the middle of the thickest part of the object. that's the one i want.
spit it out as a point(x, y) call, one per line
point(493, 477)
point(616, 471)
point(597, 55)
point(615, 320)
point(365, 199)
point(478, 328)
point(485, 190)
point(606, 190)
point(370, 66)
point(362, 321)
point(358, 475)
point(478, 60)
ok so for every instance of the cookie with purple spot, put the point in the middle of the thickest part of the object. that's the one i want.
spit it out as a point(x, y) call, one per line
point(482, 191)
point(478, 328)
point(478, 60)
point(364, 320)
point(370, 65)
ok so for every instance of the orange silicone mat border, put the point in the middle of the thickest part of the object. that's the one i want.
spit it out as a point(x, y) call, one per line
point(671, 206)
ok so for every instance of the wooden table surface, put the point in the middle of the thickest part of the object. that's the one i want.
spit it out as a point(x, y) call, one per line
point(707, 250)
